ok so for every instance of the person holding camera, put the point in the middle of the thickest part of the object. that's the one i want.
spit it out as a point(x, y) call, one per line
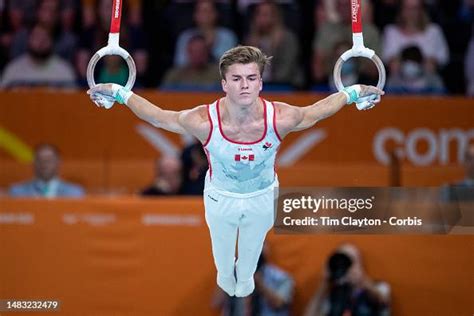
point(346, 290)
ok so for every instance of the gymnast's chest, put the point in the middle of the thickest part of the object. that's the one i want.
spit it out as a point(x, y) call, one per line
point(243, 134)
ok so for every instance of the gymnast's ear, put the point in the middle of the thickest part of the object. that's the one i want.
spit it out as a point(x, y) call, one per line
point(224, 85)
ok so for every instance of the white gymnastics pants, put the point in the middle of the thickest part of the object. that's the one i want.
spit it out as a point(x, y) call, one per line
point(251, 215)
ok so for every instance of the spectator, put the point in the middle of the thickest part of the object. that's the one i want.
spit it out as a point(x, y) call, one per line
point(273, 293)
point(218, 39)
point(21, 16)
point(46, 182)
point(59, 18)
point(49, 14)
point(167, 178)
point(21, 13)
point(414, 28)
point(346, 289)
point(333, 32)
point(195, 166)
point(464, 189)
point(39, 66)
point(199, 73)
point(412, 77)
point(268, 32)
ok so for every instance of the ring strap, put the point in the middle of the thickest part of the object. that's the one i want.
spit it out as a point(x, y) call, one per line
point(116, 16)
point(356, 16)
point(358, 49)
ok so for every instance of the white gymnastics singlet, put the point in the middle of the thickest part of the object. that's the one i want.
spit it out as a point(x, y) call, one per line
point(241, 167)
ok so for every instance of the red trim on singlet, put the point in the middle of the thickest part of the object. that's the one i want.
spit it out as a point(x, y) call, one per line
point(274, 122)
point(208, 162)
point(212, 127)
point(243, 143)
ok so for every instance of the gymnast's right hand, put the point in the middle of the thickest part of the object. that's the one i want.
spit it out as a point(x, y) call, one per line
point(105, 95)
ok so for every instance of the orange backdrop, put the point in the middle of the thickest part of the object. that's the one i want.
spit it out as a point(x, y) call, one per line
point(83, 131)
point(132, 256)
point(104, 151)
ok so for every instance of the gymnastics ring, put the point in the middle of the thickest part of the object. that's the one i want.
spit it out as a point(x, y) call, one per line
point(358, 50)
point(113, 48)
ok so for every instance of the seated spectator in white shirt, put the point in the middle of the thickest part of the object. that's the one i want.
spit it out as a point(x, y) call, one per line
point(413, 28)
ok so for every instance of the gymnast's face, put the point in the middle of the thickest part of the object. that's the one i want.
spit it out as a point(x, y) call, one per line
point(242, 83)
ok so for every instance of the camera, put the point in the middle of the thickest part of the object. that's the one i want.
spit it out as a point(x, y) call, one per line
point(343, 296)
point(338, 265)
point(341, 290)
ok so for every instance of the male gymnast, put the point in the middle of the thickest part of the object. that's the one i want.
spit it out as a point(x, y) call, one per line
point(240, 133)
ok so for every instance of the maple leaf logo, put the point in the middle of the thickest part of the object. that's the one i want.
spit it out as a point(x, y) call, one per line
point(267, 145)
point(241, 157)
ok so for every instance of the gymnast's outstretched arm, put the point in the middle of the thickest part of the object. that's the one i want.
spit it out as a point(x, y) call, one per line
point(294, 118)
point(193, 121)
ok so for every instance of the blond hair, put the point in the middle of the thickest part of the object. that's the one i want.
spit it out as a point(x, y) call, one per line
point(243, 55)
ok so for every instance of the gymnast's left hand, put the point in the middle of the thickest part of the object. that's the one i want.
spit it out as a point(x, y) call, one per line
point(369, 96)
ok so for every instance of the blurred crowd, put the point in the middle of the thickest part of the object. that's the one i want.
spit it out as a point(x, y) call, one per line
point(182, 174)
point(427, 46)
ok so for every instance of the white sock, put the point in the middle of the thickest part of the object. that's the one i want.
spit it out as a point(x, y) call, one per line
point(227, 284)
point(244, 288)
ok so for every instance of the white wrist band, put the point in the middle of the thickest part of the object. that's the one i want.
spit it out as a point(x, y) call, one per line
point(123, 95)
point(352, 93)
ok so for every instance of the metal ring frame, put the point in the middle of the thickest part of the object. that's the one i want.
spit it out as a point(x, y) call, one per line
point(132, 70)
point(338, 67)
